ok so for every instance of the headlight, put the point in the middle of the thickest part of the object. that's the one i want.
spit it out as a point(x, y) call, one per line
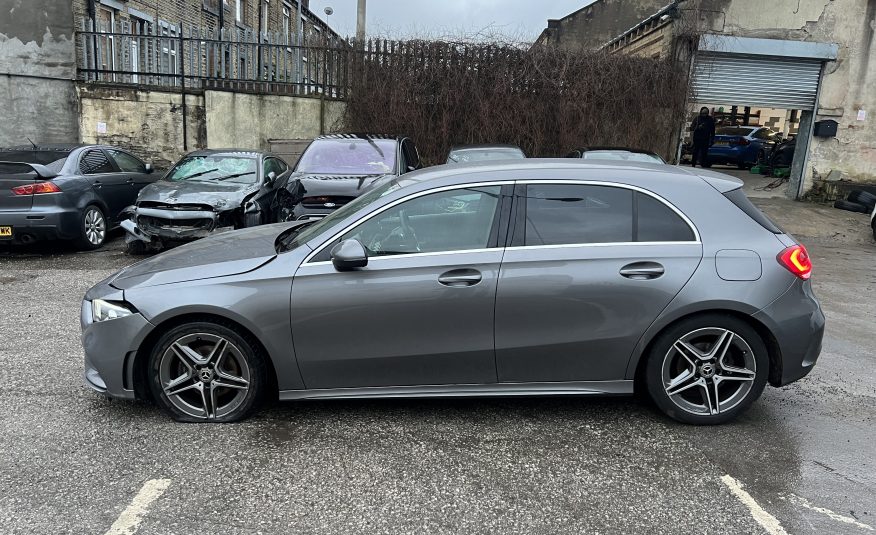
point(105, 310)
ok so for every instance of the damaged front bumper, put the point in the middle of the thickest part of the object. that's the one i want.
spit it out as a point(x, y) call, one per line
point(155, 224)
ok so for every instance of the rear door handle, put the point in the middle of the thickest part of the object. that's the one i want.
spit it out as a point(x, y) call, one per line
point(460, 277)
point(97, 183)
point(642, 270)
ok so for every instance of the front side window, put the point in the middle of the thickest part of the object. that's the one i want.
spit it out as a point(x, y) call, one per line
point(346, 156)
point(94, 162)
point(216, 168)
point(454, 220)
point(273, 165)
point(127, 163)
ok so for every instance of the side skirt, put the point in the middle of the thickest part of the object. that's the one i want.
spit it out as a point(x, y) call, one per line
point(572, 388)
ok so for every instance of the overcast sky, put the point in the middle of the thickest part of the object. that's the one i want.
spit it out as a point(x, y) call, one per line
point(518, 19)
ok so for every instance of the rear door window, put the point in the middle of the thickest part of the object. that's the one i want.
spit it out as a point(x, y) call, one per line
point(95, 161)
point(558, 214)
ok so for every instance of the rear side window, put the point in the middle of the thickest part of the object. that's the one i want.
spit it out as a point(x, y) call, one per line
point(559, 214)
point(737, 197)
point(657, 222)
point(95, 161)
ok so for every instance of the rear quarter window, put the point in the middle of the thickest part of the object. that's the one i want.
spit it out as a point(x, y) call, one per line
point(738, 197)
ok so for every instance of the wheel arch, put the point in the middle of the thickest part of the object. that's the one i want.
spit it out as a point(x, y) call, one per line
point(140, 362)
point(638, 361)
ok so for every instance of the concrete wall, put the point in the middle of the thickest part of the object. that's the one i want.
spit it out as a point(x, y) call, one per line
point(249, 121)
point(594, 25)
point(37, 68)
point(849, 84)
point(149, 123)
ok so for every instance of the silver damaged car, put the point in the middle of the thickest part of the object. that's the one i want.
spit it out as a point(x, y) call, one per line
point(531, 277)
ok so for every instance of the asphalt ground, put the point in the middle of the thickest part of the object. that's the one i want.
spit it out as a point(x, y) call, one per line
point(800, 461)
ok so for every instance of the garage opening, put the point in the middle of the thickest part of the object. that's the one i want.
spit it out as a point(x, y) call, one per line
point(763, 94)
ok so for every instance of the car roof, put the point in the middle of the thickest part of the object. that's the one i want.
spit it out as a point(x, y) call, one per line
point(470, 171)
point(620, 149)
point(211, 152)
point(361, 135)
point(485, 146)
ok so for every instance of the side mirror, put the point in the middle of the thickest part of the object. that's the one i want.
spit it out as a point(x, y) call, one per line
point(348, 255)
point(271, 178)
point(149, 168)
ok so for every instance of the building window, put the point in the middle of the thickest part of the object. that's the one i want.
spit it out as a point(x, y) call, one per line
point(266, 6)
point(287, 22)
point(240, 11)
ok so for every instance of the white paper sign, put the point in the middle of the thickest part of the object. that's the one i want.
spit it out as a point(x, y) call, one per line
point(862, 115)
point(101, 128)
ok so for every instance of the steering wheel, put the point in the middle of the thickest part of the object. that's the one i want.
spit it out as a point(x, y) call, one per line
point(408, 235)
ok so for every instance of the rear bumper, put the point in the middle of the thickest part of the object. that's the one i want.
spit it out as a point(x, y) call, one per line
point(47, 223)
point(299, 212)
point(797, 322)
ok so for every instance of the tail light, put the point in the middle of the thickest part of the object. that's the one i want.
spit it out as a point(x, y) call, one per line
point(741, 141)
point(35, 189)
point(796, 260)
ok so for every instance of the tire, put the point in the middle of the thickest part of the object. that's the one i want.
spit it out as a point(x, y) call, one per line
point(92, 228)
point(742, 370)
point(863, 197)
point(851, 206)
point(136, 248)
point(181, 381)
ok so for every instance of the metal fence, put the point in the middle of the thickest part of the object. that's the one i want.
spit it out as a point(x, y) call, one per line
point(176, 56)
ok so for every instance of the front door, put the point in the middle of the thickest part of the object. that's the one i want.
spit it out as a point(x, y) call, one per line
point(589, 269)
point(420, 312)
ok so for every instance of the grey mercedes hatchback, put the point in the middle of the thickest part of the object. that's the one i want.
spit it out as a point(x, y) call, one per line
point(526, 277)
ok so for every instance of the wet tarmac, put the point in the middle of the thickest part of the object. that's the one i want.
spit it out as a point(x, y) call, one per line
point(71, 461)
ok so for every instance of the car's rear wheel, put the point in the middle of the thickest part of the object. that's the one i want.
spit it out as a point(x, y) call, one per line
point(205, 371)
point(707, 369)
point(92, 228)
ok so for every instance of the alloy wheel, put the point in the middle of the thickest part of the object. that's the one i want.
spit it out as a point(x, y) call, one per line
point(709, 371)
point(204, 375)
point(95, 226)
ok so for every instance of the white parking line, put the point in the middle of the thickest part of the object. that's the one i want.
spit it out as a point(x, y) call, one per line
point(767, 521)
point(130, 519)
point(803, 502)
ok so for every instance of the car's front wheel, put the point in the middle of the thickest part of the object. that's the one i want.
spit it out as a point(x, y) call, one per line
point(707, 369)
point(206, 371)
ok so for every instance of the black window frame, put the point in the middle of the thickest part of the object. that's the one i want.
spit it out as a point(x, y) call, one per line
point(109, 153)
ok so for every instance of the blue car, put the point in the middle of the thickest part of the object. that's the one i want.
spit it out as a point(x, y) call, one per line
point(741, 145)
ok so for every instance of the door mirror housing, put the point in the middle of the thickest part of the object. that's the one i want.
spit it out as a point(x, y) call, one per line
point(349, 255)
point(149, 168)
point(271, 178)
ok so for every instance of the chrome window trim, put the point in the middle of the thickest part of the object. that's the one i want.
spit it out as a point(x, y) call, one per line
point(372, 259)
point(697, 239)
point(365, 218)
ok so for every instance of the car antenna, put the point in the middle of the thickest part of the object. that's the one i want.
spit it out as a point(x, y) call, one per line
point(31, 142)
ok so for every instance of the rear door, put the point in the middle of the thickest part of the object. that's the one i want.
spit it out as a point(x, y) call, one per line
point(109, 183)
point(589, 268)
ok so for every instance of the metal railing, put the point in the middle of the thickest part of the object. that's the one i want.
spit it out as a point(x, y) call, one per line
point(175, 56)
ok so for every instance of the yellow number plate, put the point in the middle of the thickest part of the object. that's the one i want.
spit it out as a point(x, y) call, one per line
point(5, 232)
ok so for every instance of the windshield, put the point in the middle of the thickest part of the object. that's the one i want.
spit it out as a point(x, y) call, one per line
point(349, 156)
point(216, 167)
point(622, 155)
point(734, 131)
point(52, 159)
point(480, 155)
point(297, 237)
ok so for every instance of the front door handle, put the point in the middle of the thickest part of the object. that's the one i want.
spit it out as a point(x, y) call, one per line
point(460, 277)
point(642, 270)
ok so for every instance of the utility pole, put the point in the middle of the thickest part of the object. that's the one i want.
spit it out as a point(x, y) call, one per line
point(360, 22)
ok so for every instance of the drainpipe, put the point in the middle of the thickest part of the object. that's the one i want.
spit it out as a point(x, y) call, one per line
point(92, 14)
point(182, 78)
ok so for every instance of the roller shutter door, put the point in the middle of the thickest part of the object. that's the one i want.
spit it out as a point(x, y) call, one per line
point(763, 81)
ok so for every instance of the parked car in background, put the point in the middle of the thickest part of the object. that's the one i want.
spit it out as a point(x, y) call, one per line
point(206, 191)
point(537, 277)
point(67, 192)
point(479, 153)
point(616, 153)
point(742, 146)
point(336, 168)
